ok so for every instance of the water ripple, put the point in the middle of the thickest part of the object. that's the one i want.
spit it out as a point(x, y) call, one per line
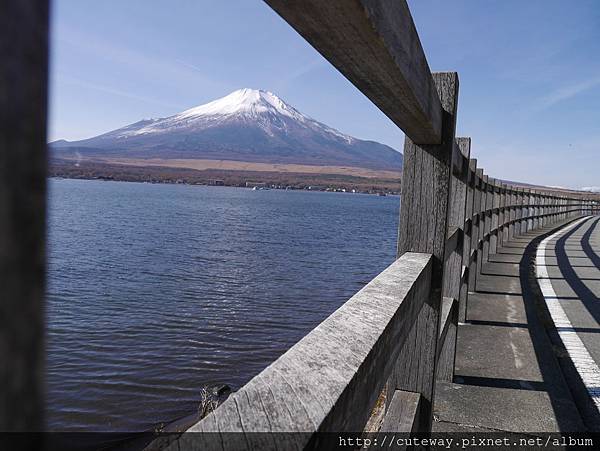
point(156, 291)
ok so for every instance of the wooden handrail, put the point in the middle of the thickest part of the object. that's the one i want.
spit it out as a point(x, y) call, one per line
point(330, 380)
point(452, 218)
point(376, 46)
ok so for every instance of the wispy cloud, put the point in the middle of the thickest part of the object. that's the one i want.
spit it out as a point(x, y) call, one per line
point(288, 80)
point(162, 68)
point(565, 93)
point(63, 78)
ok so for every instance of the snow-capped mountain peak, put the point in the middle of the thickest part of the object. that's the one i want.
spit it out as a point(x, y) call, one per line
point(245, 125)
point(245, 101)
point(263, 108)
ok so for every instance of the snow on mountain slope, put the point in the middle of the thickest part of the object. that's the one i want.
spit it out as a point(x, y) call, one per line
point(246, 125)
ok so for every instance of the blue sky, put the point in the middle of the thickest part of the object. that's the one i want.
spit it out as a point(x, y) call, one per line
point(529, 73)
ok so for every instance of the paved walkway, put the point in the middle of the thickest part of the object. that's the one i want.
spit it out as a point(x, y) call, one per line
point(507, 375)
point(568, 272)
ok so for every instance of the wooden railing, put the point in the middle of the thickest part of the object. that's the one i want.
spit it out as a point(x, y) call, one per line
point(397, 336)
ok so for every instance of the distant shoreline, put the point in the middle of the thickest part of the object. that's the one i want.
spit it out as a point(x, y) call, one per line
point(94, 170)
point(99, 179)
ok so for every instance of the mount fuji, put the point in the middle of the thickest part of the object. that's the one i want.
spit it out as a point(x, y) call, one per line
point(247, 125)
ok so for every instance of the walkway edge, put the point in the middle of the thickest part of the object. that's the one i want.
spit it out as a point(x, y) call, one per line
point(562, 333)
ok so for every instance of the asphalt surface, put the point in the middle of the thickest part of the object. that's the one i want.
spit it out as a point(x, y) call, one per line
point(568, 272)
point(507, 375)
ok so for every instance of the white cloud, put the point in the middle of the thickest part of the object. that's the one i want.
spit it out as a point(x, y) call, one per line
point(565, 93)
point(592, 189)
point(62, 78)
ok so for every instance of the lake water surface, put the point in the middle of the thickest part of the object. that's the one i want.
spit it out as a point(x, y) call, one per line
point(155, 291)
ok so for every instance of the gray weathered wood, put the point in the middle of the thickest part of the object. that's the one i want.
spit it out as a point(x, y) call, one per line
point(423, 228)
point(476, 242)
point(487, 216)
point(453, 265)
point(374, 43)
point(513, 213)
point(463, 205)
point(446, 317)
point(403, 413)
point(522, 226)
point(330, 379)
point(468, 241)
point(446, 350)
point(504, 214)
point(494, 227)
point(23, 92)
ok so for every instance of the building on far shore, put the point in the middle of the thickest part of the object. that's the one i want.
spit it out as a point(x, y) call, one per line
point(256, 185)
point(216, 183)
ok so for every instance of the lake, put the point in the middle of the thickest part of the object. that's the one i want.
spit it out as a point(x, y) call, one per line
point(156, 291)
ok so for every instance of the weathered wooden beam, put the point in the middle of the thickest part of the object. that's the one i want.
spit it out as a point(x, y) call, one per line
point(487, 227)
point(495, 225)
point(445, 317)
point(521, 226)
point(474, 254)
point(403, 413)
point(456, 221)
point(454, 241)
point(375, 45)
point(423, 227)
point(330, 380)
point(513, 212)
point(446, 349)
point(23, 92)
point(468, 241)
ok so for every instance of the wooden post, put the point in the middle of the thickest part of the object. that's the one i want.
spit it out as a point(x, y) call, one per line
point(482, 223)
point(501, 201)
point(23, 80)
point(495, 216)
point(487, 225)
point(518, 211)
point(474, 260)
point(453, 258)
point(423, 226)
point(526, 209)
point(468, 246)
point(532, 209)
point(505, 204)
point(511, 212)
point(536, 209)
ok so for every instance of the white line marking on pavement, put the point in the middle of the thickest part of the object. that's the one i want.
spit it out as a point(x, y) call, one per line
point(582, 360)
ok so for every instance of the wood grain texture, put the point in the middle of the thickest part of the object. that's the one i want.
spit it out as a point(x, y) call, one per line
point(494, 225)
point(479, 206)
point(423, 226)
point(23, 92)
point(375, 45)
point(504, 215)
point(453, 264)
point(474, 232)
point(487, 215)
point(456, 223)
point(468, 240)
point(447, 340)
point(403, 413)
point(521, 212)
point(330, 380)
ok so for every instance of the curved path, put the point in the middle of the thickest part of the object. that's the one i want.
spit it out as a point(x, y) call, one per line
point(508, 377)
point(568, 272)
